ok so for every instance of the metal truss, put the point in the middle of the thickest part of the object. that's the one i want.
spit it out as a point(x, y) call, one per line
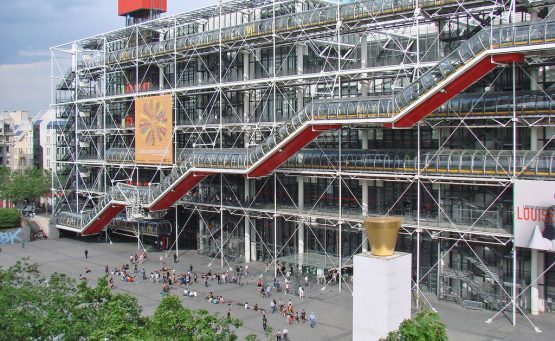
point(238, 70)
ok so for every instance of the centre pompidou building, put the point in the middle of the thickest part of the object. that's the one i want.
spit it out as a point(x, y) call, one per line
point(266, 130)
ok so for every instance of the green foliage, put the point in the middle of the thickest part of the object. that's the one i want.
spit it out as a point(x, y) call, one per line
point(172, 321)
point(31, 183)
point(60, 308)
point(9, 218)
point(426, 326)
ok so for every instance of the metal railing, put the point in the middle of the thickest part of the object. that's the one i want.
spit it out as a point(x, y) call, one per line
point(513, 35)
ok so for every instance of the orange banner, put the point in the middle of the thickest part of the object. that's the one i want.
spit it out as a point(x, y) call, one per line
point(153, 130)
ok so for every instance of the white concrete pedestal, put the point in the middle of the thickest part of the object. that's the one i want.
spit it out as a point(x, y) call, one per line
point(381, 294)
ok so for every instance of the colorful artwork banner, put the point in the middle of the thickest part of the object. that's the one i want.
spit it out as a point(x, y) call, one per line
point(153, 130)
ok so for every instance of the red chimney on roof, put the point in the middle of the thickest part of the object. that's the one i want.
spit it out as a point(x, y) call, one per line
point(141, 10)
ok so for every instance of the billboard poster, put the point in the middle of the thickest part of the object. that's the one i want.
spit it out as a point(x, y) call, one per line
point(153, 130)
point(534, 214)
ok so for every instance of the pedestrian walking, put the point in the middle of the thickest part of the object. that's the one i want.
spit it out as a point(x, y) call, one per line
point(278, 335)
point(312, 320)
point(86, 254)
point(264, 321)
point(191, 268)
point(175, 258)
point(301, 293)
point(106, 269)
point(143, 273)
point(285, 333)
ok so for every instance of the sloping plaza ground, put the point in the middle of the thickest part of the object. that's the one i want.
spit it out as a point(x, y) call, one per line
point(333, 309)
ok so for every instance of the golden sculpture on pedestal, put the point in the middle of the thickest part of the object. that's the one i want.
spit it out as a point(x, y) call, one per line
point(382, 234)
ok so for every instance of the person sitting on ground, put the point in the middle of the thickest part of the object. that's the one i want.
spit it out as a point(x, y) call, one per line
point(87, 270)
point(185, 292)
point(246, 305)
point(82, 278)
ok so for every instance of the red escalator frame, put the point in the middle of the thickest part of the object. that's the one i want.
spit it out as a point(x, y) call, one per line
point(469, 77)
point(179, 190)
point(452, 89)
point(296, 144)
point(98, 224)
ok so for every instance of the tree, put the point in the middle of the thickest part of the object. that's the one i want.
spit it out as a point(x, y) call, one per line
point(34, 308)
point(172, 321)
point(17, 186)
point(4, 180)
point(39, 181)
point(9, 218)
point(426, 326)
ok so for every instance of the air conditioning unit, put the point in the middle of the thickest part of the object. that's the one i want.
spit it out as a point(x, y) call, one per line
point(84, 144)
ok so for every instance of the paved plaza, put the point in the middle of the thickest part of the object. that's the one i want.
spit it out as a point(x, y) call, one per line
point(333, 309)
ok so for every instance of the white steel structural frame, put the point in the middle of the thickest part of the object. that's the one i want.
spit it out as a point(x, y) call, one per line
point(207, 133)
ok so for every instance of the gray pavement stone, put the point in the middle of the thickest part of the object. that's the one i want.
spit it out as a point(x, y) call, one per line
point(333, 309)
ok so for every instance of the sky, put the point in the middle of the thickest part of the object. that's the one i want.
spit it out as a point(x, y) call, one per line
point(28, 28)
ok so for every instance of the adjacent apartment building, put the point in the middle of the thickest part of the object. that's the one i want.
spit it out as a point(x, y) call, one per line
point(16, 140)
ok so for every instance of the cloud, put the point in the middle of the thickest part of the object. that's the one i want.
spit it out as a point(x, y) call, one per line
point(36, 25)
point(34, 53)
point(25, 86)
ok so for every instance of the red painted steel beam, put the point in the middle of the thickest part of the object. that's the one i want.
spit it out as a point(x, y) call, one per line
point(458, 85)
point(103, 220)
point(179, 190)
point(298, 142)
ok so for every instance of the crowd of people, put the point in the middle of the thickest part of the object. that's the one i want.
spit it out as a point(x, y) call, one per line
point(167, 277)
